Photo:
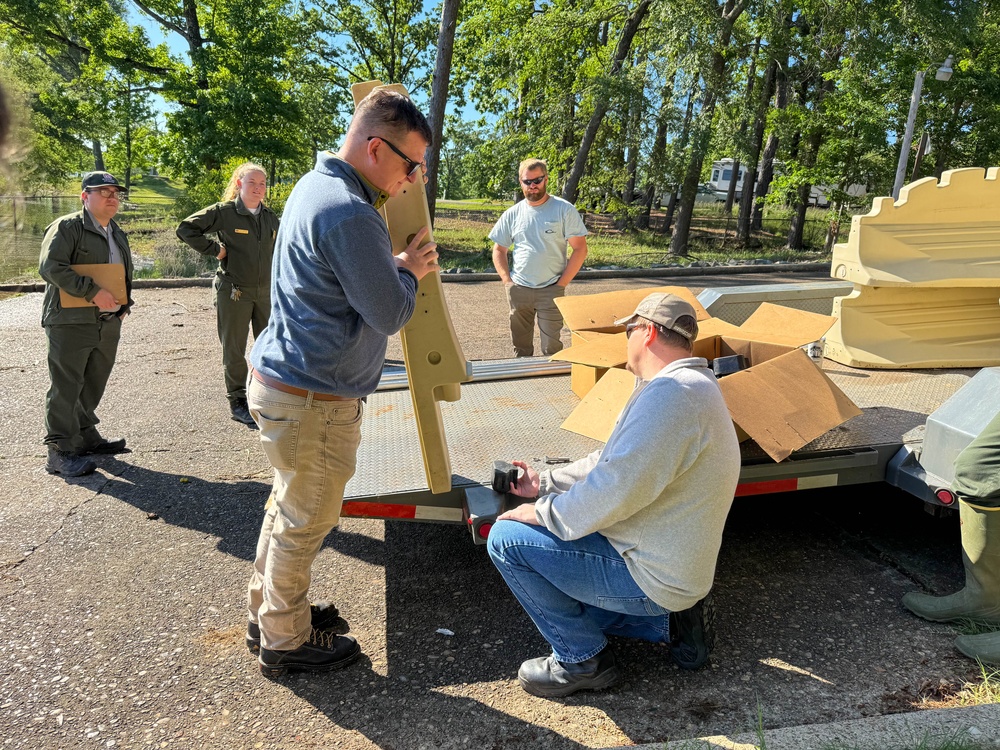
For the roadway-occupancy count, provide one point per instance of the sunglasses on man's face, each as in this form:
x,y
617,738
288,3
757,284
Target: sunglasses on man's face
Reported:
x,y
534,180
633,327
414,165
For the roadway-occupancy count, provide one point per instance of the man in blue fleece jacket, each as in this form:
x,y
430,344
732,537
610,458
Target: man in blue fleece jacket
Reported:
x,y
337,294
624,542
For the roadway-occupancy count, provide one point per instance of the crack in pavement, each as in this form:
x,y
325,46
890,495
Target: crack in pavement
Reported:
x,y
12,566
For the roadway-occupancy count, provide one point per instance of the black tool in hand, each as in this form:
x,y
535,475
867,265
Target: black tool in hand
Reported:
x,y
504,476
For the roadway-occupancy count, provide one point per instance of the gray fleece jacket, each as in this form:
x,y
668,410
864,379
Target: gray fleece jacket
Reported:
x,y
660,489
336,291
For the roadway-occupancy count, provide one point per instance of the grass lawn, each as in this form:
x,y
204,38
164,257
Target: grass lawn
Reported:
x,y
464,243
463,237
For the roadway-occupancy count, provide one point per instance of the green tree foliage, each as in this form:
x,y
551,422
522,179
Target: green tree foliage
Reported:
x,y
388,40
630,101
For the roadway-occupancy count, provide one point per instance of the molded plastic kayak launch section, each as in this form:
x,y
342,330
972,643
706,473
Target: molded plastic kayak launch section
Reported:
x,y
926,271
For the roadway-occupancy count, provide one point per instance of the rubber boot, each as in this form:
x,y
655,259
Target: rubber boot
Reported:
x,y
985,647
980,599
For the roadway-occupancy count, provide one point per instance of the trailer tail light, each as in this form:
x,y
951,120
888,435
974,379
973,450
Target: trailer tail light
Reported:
x,y
945,496
484,530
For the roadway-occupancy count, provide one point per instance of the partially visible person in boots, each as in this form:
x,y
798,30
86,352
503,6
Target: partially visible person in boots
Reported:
x,y
977,486
625,541
245,231
338,295
82,341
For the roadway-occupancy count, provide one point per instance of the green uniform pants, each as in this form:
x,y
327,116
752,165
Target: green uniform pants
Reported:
x,y
977,469
81,357
234,319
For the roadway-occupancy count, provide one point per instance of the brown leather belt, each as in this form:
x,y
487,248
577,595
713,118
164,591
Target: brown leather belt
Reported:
x,y
285,388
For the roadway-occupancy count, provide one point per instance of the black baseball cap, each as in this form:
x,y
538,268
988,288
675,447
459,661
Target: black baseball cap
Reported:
x,y
100,179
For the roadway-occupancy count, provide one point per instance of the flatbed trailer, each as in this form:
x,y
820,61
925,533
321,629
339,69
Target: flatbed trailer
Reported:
x,y
520,417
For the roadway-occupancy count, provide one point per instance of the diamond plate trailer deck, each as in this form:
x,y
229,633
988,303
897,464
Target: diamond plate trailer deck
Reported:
x,y
520,418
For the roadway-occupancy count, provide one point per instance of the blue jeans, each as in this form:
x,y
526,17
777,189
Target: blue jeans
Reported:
x,y
576,592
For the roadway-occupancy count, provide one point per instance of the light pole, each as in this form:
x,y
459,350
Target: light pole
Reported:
x,y
944,72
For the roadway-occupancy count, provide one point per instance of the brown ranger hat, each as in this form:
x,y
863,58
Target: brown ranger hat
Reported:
x,y
99,180
664,310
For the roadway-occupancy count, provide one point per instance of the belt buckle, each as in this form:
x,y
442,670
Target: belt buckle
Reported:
x,y
105,316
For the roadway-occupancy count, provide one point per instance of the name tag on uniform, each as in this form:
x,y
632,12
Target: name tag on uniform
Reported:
x,y
242,231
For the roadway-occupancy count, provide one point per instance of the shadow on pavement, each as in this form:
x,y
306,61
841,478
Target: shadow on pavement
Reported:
x,y
231,511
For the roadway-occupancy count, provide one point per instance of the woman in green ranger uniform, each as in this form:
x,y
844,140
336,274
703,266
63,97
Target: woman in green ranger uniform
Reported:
x,y
245,230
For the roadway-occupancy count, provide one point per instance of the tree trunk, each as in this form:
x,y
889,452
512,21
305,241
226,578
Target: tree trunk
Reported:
x,y
642,218
657,154
703,129
798,224
751,82
683,142
439,95
98,155
128,154
753,162
668,215
572,186
632,163
767,161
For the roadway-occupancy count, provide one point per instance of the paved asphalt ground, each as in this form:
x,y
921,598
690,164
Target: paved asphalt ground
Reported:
x,y
121,596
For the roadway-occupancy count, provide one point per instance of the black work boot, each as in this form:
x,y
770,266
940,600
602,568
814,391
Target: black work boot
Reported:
x,y
322,652
324,617
692,634
67,464
96,443
241,412
551,678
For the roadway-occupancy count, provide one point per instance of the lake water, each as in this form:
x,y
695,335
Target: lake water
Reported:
x,y
22,226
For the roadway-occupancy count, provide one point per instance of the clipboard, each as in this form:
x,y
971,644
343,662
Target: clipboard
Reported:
x,y
110,276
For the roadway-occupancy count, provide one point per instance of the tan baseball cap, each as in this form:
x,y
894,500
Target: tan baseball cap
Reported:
x,y
664,310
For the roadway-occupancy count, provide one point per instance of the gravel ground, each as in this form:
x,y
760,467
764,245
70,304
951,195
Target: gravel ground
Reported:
x,y
121,596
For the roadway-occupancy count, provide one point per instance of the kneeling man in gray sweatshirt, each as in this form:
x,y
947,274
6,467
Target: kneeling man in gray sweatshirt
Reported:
x,y
625,541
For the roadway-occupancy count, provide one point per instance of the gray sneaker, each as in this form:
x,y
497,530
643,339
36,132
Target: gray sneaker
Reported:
x,y
549,678
68,464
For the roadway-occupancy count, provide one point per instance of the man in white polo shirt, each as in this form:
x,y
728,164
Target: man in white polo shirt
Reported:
x,y
536,232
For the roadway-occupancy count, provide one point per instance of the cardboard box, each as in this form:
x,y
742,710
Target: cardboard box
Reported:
x,y
591,320
583,377
598,312
802,402
770,331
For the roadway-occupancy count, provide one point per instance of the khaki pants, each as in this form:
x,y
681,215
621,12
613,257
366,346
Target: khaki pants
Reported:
x,y
312,446
525,303
234,319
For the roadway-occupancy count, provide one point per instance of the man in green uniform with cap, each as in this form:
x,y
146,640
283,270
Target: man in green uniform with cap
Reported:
x,y
977,485
246,230
82,341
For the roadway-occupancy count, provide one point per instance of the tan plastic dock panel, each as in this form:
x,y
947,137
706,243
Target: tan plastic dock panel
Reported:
x,y
943,234
904,327
435,364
